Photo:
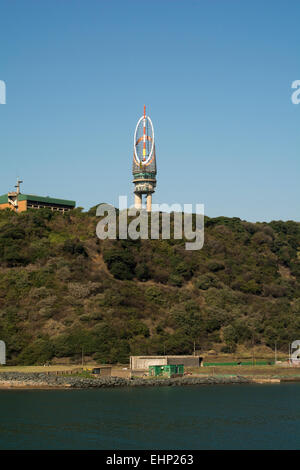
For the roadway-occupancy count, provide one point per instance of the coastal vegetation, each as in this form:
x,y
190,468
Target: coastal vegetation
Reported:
x,y
65,293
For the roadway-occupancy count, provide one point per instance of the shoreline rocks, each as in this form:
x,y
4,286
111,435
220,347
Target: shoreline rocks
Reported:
x,y
41,380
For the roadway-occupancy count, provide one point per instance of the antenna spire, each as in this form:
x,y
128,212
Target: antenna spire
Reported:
x,y
144,135
144,162
18,185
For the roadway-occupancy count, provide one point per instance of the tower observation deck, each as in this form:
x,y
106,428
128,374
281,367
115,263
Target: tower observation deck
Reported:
x,y
144,162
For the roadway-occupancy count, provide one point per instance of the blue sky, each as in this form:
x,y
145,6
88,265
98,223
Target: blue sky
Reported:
x,y
215,76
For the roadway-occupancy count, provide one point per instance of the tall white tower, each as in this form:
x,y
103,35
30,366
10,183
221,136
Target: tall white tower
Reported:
x,y
144,162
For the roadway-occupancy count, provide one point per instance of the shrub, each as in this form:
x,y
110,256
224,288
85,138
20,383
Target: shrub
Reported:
x,y
261,237
251,287
74,247
38,352
275,290
142,272
175,280
206,281
215,266
120,263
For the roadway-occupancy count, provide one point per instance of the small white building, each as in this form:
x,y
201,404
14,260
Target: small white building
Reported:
x,y
143,362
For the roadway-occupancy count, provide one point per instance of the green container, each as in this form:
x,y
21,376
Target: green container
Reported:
x,y
168,370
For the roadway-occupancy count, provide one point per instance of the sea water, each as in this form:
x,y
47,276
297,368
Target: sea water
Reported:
x,y
186,417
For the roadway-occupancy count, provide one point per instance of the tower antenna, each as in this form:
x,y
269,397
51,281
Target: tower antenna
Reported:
x,y
144,162
18,185
144,135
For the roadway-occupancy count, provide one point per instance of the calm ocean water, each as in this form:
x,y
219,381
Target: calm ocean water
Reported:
x,y
193,417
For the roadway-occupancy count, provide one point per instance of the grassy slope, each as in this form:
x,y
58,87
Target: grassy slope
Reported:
x,y
62,290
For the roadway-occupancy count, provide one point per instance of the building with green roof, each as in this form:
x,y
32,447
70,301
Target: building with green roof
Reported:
x,y
19,202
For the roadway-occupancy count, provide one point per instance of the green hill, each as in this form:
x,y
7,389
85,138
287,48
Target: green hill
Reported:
x,y
63,291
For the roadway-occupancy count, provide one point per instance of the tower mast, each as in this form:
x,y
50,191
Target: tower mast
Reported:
x,y
144,136
144,162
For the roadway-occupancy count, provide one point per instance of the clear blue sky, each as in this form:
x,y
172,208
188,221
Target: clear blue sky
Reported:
x,y
216,78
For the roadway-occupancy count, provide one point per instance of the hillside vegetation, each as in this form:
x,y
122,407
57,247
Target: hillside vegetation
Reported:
x,y
64,292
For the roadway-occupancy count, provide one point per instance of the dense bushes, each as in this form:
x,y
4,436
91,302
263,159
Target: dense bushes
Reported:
x,y
64,292
120,263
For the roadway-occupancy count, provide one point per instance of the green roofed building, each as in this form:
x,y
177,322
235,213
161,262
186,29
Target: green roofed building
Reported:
x,y
19,202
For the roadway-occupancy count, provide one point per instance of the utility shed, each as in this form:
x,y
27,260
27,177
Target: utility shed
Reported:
x,y
104,371
170,370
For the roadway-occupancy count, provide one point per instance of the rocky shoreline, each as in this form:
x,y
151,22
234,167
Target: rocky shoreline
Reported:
x,y
45,381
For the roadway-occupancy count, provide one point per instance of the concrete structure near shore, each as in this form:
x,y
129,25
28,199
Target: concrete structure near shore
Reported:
x,y
142,363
